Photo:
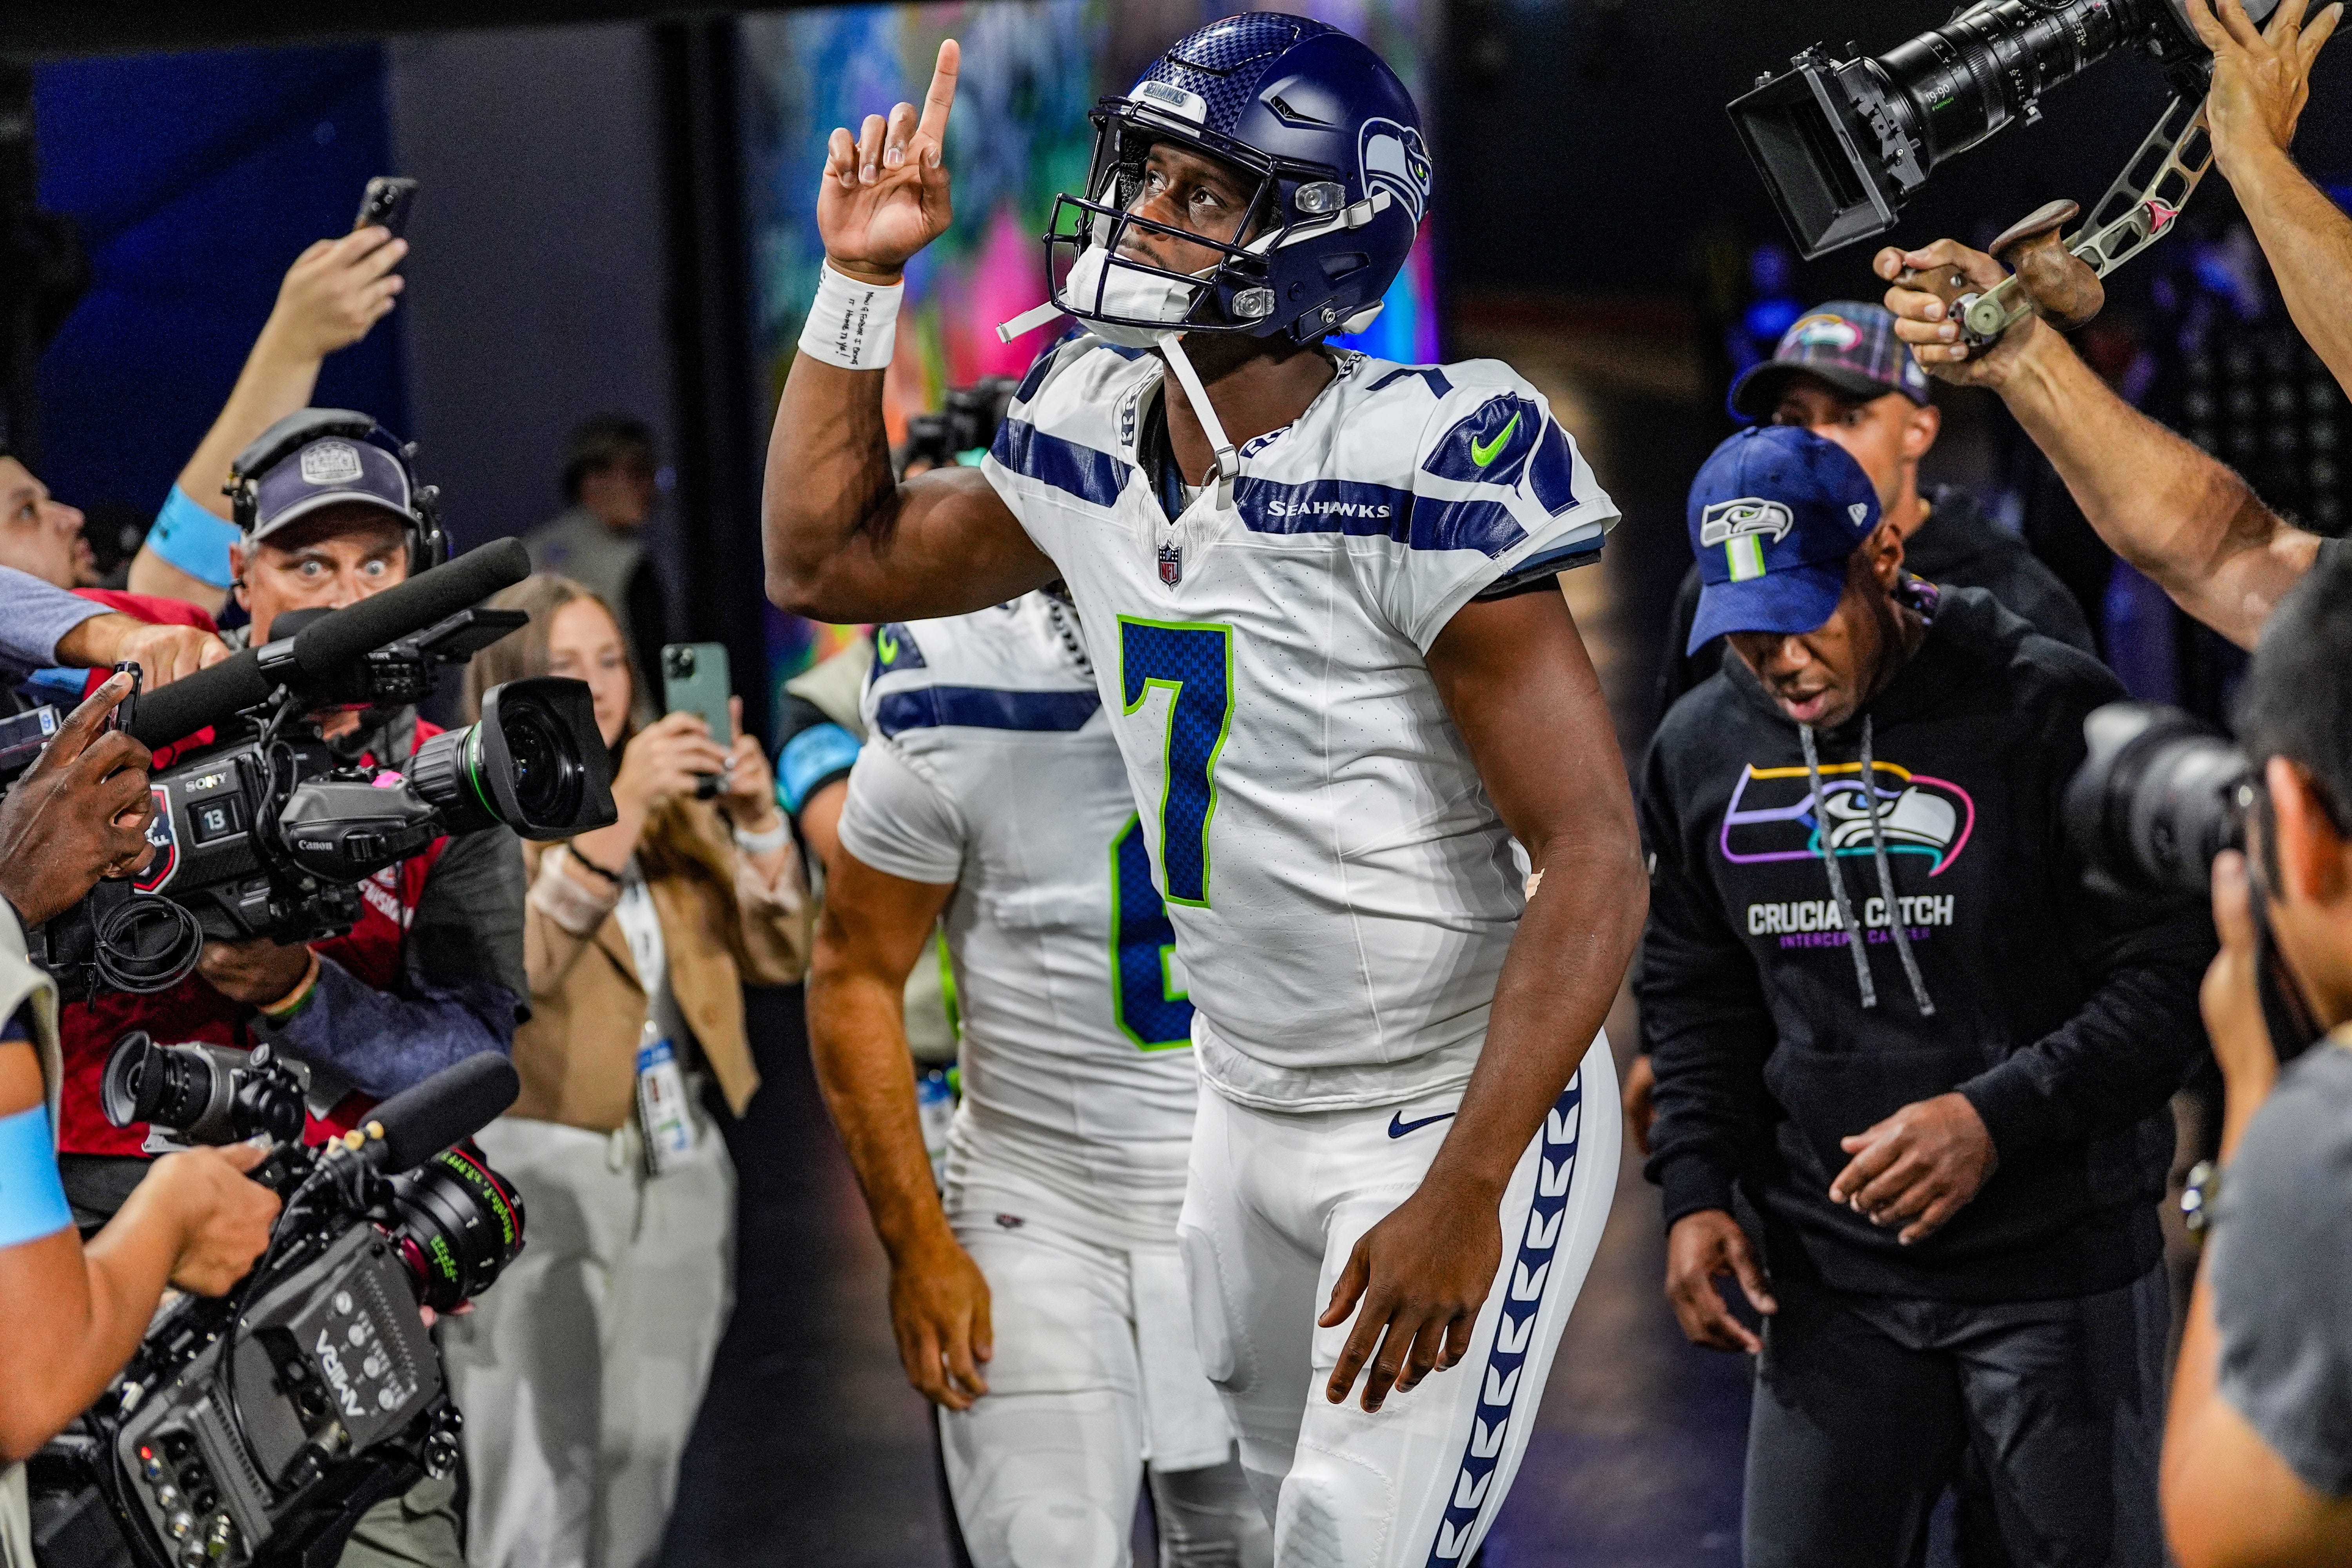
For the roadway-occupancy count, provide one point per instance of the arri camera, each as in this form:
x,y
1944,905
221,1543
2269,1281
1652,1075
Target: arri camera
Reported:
x,y
255,1428
1842,144
270,833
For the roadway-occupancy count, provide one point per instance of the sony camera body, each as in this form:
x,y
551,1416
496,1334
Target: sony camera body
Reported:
x,y
270,833
256,1427
1843,144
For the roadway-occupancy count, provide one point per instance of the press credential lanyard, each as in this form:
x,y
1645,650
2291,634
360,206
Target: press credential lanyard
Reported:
x,y
664,1116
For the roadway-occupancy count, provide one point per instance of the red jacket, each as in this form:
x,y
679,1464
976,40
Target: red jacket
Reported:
x,y
192,1010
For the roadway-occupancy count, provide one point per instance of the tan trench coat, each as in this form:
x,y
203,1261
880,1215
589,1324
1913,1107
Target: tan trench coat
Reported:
x,y
577,1055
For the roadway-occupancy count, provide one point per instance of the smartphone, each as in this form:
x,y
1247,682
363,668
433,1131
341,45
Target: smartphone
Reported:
x,y
386,204
695,680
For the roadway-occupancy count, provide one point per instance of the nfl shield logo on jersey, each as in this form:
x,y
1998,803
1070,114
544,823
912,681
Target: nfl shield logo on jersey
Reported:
x,y
1172,564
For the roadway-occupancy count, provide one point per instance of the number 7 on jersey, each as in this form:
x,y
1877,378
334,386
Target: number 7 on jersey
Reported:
x,y
1193,663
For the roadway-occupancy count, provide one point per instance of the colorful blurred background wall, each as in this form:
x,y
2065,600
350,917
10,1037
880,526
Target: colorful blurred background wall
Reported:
x,y
1019,137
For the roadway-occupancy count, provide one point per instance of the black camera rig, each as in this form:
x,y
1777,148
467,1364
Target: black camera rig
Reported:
x,y
252,1430
270,832
1842,144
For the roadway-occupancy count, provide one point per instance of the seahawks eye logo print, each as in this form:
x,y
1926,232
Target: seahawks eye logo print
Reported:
x,y
1394,156
1729,519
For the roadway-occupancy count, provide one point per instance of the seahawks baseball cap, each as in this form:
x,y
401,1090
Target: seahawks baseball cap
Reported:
x,y
1774,516
329,471
1850,345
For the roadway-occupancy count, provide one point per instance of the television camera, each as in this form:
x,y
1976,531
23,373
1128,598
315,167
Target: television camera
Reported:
x,y
269,832
1842,144
252,1430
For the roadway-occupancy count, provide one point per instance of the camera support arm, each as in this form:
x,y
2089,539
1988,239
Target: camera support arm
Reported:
x,y
2060,282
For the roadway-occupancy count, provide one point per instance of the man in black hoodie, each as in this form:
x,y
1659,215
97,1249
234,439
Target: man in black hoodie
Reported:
x,y
1888,1015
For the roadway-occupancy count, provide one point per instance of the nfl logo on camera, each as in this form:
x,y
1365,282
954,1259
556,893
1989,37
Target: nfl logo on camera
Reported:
x,y
1172,564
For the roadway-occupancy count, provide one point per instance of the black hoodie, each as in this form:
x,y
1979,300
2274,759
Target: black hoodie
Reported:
x,y
2066,1020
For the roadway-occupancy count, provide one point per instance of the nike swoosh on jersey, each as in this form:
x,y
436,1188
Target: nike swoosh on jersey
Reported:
x,y
1399,1126
886,646
1484,452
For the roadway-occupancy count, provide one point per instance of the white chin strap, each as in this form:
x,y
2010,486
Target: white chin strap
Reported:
x,y
1229,463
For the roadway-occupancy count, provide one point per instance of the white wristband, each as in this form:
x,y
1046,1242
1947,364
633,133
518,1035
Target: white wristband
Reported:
x,y
766,843
853,325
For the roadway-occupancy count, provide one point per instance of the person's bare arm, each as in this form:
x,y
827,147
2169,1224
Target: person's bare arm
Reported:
x,y
2178,513
76,1313
1515,678
333,293
2230,1499
2262,80
845,542
873,929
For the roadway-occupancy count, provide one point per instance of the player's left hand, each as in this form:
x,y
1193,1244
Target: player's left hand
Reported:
x,y
1921,1165
257,970
1422,1275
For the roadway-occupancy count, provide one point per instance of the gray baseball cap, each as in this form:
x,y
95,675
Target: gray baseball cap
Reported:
x,y
327,472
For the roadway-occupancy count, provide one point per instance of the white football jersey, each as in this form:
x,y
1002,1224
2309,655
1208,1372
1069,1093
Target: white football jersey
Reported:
x,y
989,764
1342,891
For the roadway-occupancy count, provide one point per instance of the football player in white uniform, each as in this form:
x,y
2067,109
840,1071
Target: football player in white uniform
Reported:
x,y
1043,1308
1318,591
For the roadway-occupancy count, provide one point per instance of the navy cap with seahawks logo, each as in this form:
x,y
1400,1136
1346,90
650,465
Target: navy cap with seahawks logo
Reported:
x,y
326,472
1774,516
1850,345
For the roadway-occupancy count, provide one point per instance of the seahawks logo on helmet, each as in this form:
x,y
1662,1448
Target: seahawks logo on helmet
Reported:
x,y
1729,519
1394,156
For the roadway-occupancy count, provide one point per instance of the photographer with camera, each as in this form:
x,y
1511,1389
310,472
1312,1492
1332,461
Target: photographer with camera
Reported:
x,y
76,1312
2258,1449
432,971
1884,1010
2177,514
640,937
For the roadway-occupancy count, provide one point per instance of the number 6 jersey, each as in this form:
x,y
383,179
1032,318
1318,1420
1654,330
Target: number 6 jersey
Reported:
x,y
1342,890
991,766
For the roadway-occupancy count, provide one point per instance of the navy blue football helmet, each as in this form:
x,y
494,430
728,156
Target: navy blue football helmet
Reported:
x,y
1332,138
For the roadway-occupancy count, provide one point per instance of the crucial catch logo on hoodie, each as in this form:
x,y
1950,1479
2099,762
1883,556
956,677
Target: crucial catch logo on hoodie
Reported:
x,y
1773,815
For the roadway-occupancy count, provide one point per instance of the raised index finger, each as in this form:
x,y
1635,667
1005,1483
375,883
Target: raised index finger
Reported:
x,y
940,98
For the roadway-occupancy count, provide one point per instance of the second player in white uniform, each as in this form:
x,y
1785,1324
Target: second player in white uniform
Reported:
x,y
989,773
1336,664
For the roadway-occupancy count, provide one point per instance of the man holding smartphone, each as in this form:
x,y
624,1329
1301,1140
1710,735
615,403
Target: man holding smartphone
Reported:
x,y
333,295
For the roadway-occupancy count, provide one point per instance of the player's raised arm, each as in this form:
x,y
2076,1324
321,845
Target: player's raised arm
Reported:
x,y
845,542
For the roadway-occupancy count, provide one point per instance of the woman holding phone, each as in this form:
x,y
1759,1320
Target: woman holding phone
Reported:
x,y
581,1374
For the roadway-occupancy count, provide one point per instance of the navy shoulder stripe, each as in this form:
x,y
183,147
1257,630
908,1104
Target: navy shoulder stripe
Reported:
x,y
983,708
1551,473
1438,385
1089,475
1360,511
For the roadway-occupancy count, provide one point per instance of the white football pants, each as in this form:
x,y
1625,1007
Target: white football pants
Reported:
x,y
1094,1375
1277,1202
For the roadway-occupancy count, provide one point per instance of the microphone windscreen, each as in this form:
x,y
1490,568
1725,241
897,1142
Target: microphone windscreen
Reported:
x,y
452,1105
326,645
193,702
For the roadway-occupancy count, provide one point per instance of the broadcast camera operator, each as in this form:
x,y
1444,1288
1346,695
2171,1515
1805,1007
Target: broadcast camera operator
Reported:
x,y
2176,513
432,970
76,1312
2258,1450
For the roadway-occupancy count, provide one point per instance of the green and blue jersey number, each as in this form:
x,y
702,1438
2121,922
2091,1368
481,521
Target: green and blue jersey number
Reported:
x,y
1144,997
1193,662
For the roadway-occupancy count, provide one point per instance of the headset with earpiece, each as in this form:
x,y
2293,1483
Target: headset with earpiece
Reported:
x,y
428,543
